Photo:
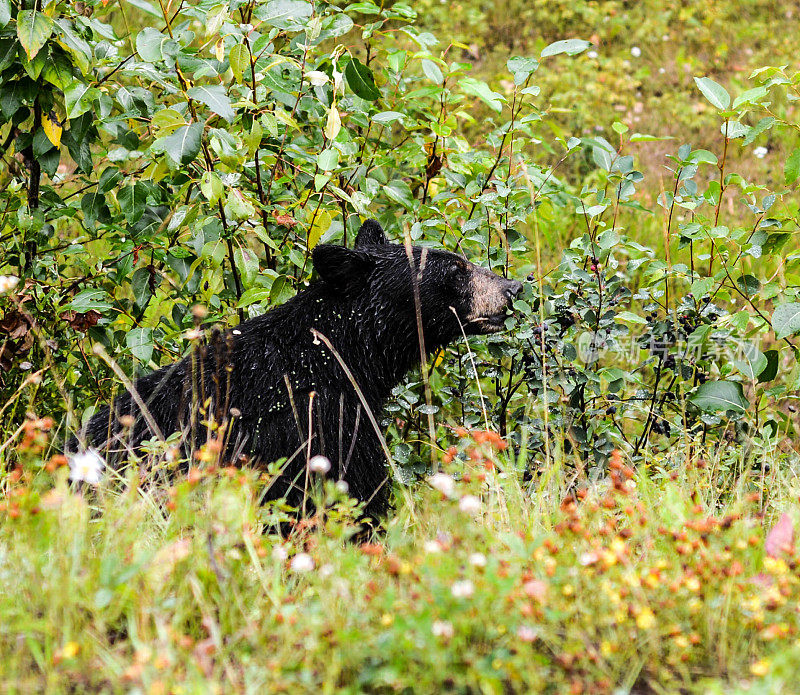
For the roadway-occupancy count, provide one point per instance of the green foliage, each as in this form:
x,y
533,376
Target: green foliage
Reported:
x,y
159,158
201,161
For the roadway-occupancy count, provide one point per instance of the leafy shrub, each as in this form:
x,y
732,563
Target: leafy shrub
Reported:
x,y
200,162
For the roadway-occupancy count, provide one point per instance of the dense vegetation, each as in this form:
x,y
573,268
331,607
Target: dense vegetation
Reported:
x,y
612,463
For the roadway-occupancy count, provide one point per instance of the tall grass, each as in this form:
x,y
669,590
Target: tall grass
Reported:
x,y
663,579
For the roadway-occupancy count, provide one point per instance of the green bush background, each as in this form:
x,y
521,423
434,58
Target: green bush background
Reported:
x,y
635,162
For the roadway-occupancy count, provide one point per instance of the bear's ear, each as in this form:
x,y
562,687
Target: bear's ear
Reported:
x,y
342,269
371,234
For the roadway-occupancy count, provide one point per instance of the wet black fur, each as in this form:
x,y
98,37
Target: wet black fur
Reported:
x,y
364,304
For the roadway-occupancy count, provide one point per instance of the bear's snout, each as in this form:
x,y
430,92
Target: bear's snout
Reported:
x,y
491,297
513,288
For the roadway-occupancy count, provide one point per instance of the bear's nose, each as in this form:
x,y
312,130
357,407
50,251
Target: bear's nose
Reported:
x,y
513,288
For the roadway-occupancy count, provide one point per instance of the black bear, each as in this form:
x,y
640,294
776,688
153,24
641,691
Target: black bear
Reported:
x,y
280,389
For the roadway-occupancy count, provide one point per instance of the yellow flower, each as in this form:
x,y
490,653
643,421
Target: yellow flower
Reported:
x,y
608,558
681,641
568,590
774,565
387,619
645,620
760,667
70,650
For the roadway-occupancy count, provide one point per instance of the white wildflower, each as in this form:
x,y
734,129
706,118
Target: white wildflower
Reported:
x,y
319,464
526,633
462,589
279,553
588,559
86,466
442,628
326,570
759,152
443,483
636,51
8,283
302,562
316,78
469,504
592,54
432,547
342,486
477,560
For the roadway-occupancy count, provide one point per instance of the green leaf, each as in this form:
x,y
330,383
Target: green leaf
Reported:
x,y
791,169
211,186
322,223
132,200
58,71
360,80
5,12
284,14
753,362
89,300
215,98
770,371
702,156
762,126
328,159
734,129
93,205
184,144
481,90
146,7
247,264
253,295
150,45
239,59
335,25
569,46
34,67
715,396
630,317
750,96
8,51
280,291
141,286
74,44
786,319
432,71
33,30
644,137
386,117
400,192
78,99
715,93
748,285
140,343
237,206
521,68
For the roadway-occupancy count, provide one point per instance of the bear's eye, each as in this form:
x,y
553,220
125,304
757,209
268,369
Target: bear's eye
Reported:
x,y
456,270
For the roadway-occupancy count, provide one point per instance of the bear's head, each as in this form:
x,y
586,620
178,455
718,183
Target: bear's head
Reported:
x,y
452,293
